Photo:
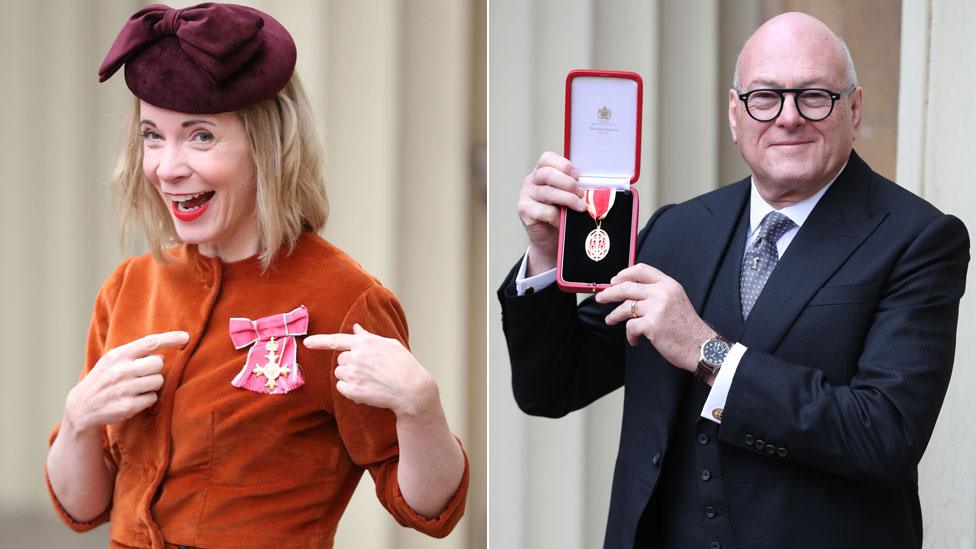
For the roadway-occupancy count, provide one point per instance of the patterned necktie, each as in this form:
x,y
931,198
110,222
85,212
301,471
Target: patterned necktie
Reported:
x,y
761,258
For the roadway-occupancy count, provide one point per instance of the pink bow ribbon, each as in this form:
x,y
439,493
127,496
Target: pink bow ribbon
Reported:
x,y
270,366
218,38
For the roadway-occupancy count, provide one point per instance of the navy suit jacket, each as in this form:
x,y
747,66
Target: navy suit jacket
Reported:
x,y
850,350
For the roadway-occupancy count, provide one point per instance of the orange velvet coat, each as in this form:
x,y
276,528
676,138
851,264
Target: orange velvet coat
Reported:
x,y
213,465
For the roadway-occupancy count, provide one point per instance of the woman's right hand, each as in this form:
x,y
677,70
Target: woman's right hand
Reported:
x,y
553,183
121,384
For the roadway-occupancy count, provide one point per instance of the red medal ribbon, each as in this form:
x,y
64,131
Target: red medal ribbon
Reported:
x,y
599,202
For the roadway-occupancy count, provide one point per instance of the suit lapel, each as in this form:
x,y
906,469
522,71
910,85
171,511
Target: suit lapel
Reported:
x,y
708,231
836,227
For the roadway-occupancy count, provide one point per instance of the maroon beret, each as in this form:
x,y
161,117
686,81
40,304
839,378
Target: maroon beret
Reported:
x,y
204,59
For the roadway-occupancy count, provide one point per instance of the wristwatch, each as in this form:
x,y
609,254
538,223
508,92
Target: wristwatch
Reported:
x,y
711,357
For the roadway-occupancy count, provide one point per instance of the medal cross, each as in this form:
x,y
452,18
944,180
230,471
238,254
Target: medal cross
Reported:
x,y
271,371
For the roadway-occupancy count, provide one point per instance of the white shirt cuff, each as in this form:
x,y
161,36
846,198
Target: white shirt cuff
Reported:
x,y
715,403
534,283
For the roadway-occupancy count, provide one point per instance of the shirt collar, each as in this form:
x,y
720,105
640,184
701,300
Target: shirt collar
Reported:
x,y
798,213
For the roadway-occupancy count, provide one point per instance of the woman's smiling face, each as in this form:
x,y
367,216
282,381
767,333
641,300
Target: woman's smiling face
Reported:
x,y
201,164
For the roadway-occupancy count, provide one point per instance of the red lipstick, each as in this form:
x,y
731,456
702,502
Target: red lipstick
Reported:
x,y
188,216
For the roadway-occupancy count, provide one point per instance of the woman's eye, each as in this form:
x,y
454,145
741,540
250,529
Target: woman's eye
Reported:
x,y
202,136
149,134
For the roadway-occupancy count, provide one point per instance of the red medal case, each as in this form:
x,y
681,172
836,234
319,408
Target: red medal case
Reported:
x,y
602,138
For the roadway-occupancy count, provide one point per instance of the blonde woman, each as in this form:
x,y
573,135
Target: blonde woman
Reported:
x,y
204,416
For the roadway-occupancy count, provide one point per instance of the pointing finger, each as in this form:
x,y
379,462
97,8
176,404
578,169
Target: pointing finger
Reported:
x,y
151,343
330,342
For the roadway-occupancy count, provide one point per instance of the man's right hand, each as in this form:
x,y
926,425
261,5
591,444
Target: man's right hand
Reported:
x,y
121,384
553,183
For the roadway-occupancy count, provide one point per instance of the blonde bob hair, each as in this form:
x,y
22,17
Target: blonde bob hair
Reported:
x,y
291,195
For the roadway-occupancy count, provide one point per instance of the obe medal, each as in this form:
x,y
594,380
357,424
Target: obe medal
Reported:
x,y
598,204
278,372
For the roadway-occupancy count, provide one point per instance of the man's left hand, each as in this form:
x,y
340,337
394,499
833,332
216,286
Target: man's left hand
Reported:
x,y
655,306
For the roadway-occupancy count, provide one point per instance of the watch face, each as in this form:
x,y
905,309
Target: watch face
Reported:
x,y
714,352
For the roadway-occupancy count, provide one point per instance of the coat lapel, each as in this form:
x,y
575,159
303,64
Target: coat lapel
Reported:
x,y
837,226
709,230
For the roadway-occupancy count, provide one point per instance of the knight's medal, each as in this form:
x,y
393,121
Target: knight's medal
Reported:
x,y
598,204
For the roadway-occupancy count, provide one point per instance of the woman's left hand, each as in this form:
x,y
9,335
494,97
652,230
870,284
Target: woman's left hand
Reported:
x,y
379,371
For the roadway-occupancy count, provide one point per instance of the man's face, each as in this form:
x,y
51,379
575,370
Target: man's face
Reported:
x,y
792,157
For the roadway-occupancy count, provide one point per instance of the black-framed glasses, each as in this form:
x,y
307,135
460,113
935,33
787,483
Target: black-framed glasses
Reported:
x,y
766,104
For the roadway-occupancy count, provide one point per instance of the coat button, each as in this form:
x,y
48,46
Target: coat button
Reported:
x,y
760,444
656,459
702,439
782,452
770,449
750,440
710,512
706,474
714,545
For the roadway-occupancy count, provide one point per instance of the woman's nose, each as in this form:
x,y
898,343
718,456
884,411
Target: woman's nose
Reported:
x,y
172,164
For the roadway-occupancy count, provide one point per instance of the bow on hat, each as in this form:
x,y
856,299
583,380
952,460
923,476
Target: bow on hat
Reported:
x,y
271,365
219,39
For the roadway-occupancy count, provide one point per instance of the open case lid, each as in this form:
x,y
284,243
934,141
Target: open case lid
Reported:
x,y
603,126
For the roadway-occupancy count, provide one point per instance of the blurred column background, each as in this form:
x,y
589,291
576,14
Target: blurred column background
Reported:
x,y
399,92
550,479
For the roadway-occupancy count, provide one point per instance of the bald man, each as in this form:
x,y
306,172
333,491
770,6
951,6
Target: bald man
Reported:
x,y
784,343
